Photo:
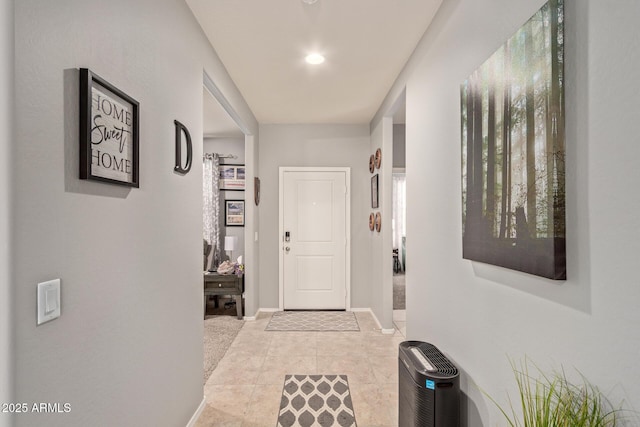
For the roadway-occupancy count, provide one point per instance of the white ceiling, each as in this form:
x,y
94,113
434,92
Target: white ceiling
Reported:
x,y
262,43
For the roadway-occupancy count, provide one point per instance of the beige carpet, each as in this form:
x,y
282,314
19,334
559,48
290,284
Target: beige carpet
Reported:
x,y
399,287
219,333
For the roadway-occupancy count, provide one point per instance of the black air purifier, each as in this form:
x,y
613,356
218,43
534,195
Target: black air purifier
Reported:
x,y
429,387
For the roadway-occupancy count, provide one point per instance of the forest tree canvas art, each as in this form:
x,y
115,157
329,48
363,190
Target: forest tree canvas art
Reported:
x,y
513,151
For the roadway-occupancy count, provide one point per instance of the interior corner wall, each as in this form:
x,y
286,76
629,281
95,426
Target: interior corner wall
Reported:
x,y
380,243
480,314
127,349
399,146
314,145
6,137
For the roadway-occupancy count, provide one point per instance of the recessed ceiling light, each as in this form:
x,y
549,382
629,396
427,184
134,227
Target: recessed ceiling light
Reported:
x,y
309,1
314,59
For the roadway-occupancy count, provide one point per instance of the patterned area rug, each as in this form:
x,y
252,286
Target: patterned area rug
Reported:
x,y
316,400
313,321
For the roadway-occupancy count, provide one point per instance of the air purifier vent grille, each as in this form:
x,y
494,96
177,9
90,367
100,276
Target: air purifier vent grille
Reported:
x,y
438,360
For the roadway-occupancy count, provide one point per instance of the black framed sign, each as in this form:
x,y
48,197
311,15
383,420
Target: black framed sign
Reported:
x,y
234,213
109,132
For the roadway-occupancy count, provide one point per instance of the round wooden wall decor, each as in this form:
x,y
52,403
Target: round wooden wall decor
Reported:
x,y
372,163
378,222
372,222
378,158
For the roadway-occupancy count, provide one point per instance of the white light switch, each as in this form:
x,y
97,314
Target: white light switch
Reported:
x,y
51,301
48,301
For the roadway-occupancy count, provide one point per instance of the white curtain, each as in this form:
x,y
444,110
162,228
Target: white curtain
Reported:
x,y
399,220
211,210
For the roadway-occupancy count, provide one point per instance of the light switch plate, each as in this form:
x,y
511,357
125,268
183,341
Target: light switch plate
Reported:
x,y
48,301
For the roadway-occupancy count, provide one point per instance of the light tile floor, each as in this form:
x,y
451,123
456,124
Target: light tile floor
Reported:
x,y
245,388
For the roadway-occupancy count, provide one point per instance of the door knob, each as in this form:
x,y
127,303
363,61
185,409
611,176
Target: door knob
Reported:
x,y
287,249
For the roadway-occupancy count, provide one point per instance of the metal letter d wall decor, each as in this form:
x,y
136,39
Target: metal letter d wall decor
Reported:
x,y
180,128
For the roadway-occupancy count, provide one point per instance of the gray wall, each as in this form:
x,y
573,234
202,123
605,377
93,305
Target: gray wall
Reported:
x,y
234,146
399,146
6,137
380,243
127,349
480,314
251,230
314,145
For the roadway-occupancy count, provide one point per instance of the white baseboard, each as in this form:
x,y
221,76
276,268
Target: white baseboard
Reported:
x,y
400,315
261,310
196,415
375,318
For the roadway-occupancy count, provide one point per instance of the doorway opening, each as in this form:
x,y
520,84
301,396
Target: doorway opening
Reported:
x,y
398,222
228,299
223,153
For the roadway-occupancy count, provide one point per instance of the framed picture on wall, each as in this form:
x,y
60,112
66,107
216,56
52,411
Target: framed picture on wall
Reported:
x,y
374,191
109,132
513,157
234,213
232,177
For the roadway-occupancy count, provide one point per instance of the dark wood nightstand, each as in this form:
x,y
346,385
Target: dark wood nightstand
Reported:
x,y
224,284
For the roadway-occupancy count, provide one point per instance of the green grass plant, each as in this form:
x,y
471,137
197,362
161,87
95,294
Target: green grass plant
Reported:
x,y
554,401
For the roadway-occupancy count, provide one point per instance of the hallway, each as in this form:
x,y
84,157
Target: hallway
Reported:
x,y
245,388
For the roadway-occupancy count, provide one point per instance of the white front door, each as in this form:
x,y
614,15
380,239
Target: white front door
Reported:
x,y
314,242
